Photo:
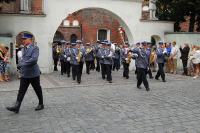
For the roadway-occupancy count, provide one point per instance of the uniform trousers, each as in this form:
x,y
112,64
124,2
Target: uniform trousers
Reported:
x,y
92,67
24,84
103,70
141,77
81,67
116,64
98,64
55,64
126,70
63,66
68,67
88,66
108,71
150,73
160,71
76,72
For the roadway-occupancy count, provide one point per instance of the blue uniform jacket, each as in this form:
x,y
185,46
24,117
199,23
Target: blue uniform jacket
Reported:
x,y
142,60
160,55
28,65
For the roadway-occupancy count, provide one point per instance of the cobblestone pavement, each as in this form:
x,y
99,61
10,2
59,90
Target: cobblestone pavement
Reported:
x,y
95,106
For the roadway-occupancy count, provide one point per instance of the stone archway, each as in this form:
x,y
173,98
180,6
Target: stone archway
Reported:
x,y
43,27
156,38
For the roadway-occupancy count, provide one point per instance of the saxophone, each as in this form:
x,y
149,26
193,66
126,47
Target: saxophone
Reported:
x,y
129,58
88,50
79,55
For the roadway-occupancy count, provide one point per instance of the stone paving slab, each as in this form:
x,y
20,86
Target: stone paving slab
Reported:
x,y
96,106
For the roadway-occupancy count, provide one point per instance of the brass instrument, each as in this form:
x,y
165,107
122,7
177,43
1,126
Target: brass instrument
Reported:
x,y
88,50
129,57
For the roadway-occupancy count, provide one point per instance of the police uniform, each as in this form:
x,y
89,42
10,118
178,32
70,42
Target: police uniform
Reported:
x,y
148,51
100,54
67,58
124,57
142,65
76,56
82,50
89,57
160,60
62,62
108,54
30,74
97,47
116,58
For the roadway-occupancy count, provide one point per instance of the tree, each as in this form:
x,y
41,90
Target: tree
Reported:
x,y
177,10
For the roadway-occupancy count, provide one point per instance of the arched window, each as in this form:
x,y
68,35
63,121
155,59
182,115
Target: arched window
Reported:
x,y
75,23
66,23
73,38
58,36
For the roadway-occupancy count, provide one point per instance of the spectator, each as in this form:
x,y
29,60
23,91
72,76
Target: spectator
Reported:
x,y
2,63
184,57
7,64
174,56
195,58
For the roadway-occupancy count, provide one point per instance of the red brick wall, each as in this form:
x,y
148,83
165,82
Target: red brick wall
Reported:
x,y
14,7
92,20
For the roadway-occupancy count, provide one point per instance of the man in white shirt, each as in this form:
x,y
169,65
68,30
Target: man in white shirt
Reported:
x,y
174,57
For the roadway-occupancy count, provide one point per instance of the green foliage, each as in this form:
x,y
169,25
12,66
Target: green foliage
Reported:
x,y
177,10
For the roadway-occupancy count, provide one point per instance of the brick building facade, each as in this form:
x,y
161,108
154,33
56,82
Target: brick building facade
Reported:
x,y
91,25
14,7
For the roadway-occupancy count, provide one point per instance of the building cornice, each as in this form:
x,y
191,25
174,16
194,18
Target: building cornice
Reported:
x,y
21,14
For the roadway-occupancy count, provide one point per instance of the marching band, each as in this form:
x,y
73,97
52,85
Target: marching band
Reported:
x,y
107,57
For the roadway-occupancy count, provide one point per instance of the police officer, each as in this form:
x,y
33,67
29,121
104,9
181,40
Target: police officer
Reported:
x,y
148,51
100,55
160,52
108,54
82,50
67,58
116,58
76,62
142,66
62,61
126,60
89,57
97,47
30,73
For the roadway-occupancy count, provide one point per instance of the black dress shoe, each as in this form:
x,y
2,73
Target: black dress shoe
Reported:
x,y
14,108
139,87
110,81
39,107
156,78
164,80
147,89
